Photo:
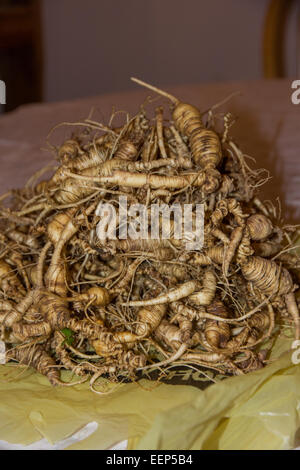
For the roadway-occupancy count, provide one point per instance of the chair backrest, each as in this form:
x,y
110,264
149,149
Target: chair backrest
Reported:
x,y
274,38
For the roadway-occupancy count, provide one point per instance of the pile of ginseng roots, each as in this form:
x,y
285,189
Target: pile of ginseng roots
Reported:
x,y
122,308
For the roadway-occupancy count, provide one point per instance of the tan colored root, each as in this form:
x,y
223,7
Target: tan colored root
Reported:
x,y
293,310
180,292
149,318
139,180
177,355
230,250
36,357
206,295
260,227
267,276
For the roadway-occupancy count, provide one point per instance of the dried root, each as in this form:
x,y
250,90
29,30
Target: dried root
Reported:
x,y
118,306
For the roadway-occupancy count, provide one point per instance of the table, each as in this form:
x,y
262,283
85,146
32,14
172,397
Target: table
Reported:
x,y
267,128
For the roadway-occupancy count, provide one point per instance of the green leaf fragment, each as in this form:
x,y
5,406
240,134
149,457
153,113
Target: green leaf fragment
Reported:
x,y
69,335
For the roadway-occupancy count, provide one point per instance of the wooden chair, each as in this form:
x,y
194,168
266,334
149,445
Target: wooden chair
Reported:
x,y
273,38
21,51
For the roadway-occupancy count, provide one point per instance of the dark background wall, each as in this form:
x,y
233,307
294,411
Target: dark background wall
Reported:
x,y
94,46
55,50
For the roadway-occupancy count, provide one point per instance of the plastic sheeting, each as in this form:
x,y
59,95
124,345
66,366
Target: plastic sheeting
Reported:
x,y
260,410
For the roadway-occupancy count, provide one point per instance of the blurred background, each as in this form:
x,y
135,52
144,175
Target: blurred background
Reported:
x,y
53,50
